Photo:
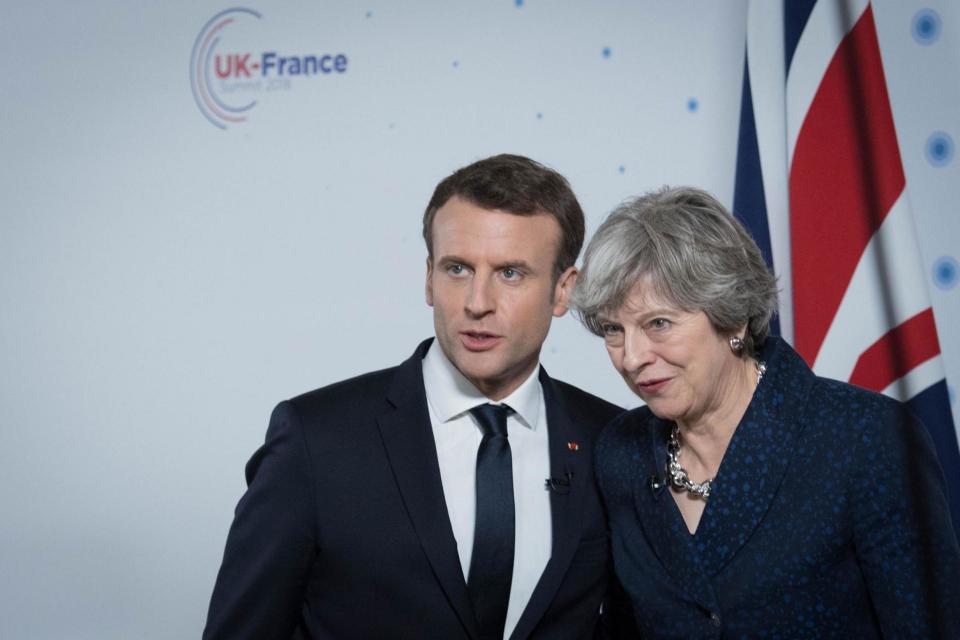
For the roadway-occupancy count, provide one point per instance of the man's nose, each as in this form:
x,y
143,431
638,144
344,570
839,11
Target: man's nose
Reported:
x,y
480,297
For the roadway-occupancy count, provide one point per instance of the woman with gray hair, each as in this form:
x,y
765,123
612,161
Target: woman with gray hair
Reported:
x,y
749,497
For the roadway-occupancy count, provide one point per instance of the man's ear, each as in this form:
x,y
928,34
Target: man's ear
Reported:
x,y
562,290
429,284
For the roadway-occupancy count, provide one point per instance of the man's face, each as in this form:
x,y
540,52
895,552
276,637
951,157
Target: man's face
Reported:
x,y
490,284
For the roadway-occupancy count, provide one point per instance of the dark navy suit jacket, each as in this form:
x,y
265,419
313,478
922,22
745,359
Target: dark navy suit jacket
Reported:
x,y
344,533
828,519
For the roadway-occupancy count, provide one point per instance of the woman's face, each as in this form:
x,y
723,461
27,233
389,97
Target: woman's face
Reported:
x,y
673,359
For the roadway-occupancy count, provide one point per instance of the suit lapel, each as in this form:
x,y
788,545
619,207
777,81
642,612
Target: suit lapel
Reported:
x,y
660,519
411,449
756,460
568,464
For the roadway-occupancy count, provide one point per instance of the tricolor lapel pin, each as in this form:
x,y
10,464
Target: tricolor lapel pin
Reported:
x,y
573,446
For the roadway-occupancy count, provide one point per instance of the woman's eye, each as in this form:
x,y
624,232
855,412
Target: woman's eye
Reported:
x,y
609,328
660,323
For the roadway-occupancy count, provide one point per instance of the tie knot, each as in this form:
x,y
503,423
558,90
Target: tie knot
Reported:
x,y
492,418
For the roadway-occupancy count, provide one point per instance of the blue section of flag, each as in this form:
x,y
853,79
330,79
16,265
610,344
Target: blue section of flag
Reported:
x,y
932,406
795,16
749,200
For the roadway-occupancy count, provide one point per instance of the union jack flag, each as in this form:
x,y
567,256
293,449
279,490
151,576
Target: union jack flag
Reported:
x,y
821,186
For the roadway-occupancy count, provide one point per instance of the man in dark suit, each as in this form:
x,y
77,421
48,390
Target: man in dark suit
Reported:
x,y
452,496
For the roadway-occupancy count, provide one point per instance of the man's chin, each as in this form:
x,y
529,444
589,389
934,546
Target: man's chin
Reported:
x,y
483,370
478,368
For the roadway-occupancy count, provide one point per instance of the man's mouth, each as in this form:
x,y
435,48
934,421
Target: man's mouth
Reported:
x,y
479,340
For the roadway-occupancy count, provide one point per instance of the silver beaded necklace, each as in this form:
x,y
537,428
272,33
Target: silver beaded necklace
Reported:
x,y
678,475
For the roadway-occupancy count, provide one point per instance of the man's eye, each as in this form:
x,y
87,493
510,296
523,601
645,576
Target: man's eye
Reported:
x,y
511,274
455,269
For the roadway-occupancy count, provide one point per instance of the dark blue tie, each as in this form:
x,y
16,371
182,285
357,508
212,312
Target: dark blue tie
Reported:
x,y
491,564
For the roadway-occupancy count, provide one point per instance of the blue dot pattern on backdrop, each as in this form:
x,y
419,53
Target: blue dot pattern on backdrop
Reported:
x,y
539,116
939,149
692,105
925,26
622,169
945,272
519,3
456,63
369,14
606,52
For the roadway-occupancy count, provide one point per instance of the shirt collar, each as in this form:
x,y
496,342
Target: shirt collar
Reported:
x,y
450,394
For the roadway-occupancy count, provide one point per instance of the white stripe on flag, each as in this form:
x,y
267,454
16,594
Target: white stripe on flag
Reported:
x,y
829,22
921,377
767,80
887,288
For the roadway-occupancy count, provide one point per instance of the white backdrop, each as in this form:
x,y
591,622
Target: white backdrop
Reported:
x,y
164,282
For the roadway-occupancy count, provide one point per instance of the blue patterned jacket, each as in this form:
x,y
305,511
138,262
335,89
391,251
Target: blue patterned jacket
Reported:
x,y
828,519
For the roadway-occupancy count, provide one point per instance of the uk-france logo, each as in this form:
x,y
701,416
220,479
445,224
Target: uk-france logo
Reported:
x,y
227,78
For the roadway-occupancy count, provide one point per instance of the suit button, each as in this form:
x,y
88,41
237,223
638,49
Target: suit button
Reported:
x,y
715,619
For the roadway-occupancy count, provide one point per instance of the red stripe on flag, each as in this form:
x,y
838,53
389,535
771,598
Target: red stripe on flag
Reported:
x,y
893,356
845,177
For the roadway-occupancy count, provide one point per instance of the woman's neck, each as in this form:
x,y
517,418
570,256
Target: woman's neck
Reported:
x,y
704,442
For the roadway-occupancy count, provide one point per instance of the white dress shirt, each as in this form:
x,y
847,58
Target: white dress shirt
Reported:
x,y
450,397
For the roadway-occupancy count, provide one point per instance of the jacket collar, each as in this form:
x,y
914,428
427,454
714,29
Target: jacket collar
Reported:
x,y
450,394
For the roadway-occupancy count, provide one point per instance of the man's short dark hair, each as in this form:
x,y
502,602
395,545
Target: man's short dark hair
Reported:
x,y
517,185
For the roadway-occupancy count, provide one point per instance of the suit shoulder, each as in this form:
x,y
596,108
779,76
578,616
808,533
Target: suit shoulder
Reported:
x,y
878,428
358,395
623,452
624,427
586,407
832,399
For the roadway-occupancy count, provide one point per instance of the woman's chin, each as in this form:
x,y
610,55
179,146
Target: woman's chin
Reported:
x,y
663,410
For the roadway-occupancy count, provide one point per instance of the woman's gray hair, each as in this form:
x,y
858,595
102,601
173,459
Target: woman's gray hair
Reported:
x,y
696,255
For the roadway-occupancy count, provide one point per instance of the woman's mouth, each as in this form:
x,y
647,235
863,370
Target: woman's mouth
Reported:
x,y
653,385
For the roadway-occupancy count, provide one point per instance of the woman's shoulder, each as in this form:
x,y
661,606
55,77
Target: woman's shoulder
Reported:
x,y
878,431
627,422
833,399
628,429
624,450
